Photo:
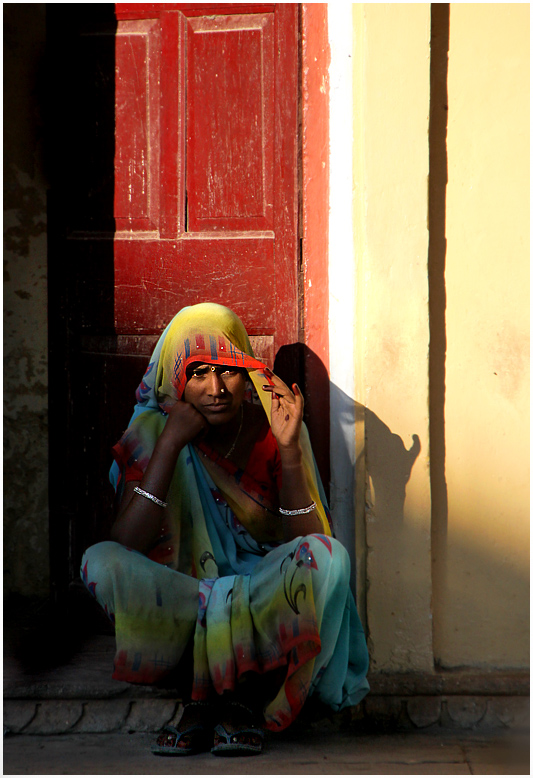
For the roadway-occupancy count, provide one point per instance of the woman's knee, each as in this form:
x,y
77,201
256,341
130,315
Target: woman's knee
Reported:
x,y
103,553
332,545
98,565
332,553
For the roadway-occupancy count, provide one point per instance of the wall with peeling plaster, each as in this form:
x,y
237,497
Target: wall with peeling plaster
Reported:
x,y
26,568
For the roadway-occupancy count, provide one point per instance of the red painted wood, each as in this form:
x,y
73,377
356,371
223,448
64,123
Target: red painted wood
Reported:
x,y
154,10
206,197
173,124
137,126
231,117
286,172
315,176
154,279
315,213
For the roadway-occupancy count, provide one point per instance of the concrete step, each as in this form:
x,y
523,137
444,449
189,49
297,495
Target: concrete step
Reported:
x,y
78,695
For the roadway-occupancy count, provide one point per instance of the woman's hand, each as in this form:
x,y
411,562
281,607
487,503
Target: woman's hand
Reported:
x,y
184,424
138,523
287,413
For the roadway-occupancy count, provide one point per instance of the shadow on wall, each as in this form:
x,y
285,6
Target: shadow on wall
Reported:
x,y
388,466
384,458
479,602
380,462
478,613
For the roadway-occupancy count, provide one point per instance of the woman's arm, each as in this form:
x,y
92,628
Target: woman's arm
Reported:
x,y
286,423
295,494
139,520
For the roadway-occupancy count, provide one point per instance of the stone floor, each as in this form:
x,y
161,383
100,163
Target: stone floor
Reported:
x,y
333,753
67,716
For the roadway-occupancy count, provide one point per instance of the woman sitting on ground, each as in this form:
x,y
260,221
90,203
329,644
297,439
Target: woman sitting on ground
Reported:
x,y
222,547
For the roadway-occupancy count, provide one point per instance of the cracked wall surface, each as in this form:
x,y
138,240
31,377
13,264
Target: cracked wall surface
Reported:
x,y
26,567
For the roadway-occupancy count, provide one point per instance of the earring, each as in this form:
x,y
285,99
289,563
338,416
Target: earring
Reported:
x,y
222,389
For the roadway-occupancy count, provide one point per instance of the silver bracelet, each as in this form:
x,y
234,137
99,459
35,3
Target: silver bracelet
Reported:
x,y
298,511
151,497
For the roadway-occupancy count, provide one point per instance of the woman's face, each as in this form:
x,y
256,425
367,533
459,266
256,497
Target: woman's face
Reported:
x,y
217,392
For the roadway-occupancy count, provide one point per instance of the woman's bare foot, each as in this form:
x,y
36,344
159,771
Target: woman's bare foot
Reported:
x,y
194,714
240,724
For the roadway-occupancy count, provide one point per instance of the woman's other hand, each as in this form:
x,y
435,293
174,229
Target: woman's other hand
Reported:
x,y
286,423
287,413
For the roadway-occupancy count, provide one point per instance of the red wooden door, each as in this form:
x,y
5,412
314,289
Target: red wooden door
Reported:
x,y
175,181
206,197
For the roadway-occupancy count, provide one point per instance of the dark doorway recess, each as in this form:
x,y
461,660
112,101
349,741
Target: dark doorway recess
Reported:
x,y
80,160
122,263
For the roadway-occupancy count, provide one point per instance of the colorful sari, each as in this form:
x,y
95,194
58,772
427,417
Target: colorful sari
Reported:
x,y
220,573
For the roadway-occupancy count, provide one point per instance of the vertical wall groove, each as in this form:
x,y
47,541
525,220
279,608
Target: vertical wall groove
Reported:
x,y
438,178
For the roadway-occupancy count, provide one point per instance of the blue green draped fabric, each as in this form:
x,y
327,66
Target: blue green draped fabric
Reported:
x,y
250,607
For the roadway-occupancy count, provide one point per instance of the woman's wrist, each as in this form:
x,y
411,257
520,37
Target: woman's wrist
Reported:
x,y
291,456
170,445
305,510
296,526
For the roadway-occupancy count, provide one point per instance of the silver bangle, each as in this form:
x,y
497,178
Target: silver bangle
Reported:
x,y
298,511
151,497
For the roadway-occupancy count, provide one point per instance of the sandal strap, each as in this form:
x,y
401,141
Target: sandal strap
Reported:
x,y
199,736
222,732
170,729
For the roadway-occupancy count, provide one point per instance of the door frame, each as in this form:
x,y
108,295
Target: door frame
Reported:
x,y
330,260
313,280
314,225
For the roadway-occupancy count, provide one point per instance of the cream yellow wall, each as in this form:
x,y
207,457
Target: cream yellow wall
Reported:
x,y
391,98
468,606
482,612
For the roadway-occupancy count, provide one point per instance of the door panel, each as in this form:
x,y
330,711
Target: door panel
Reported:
x,y
137,125
230,123
154,279
210,101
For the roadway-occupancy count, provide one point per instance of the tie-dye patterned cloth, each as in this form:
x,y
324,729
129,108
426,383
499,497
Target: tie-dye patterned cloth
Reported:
x,y
255,605
293,614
